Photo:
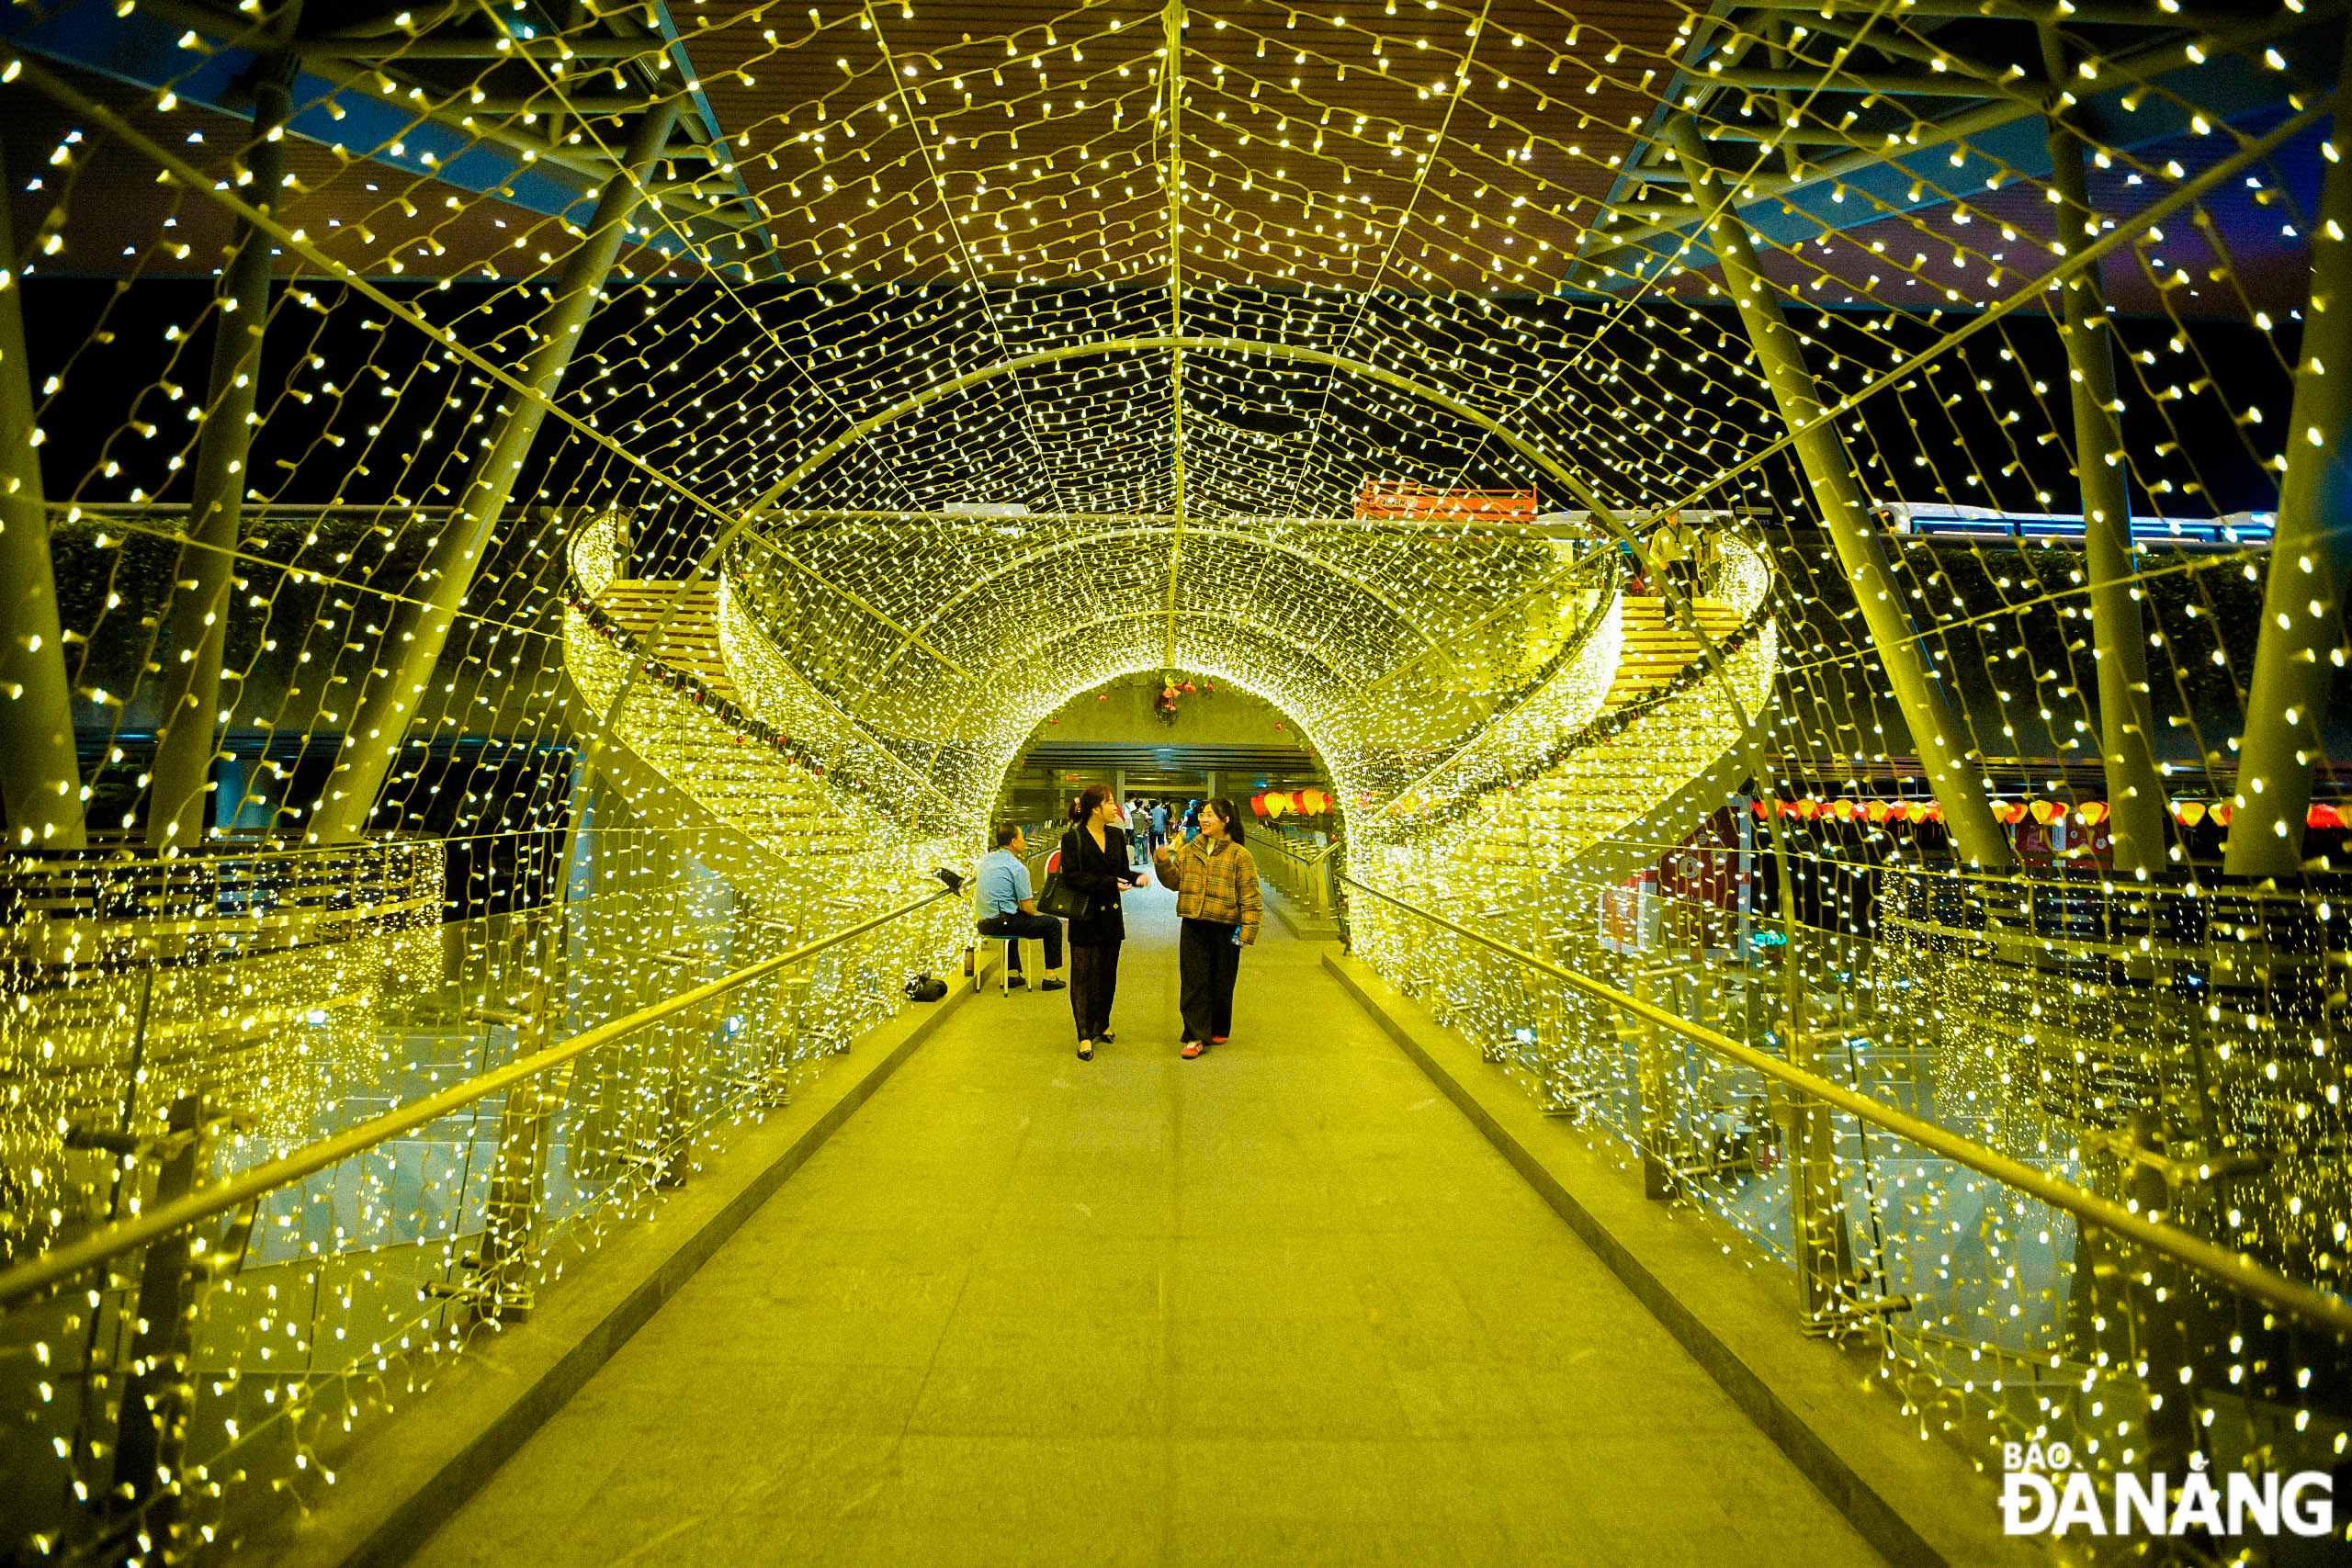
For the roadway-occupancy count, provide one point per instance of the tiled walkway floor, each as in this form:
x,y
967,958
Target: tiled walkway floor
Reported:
x,y
1279,1305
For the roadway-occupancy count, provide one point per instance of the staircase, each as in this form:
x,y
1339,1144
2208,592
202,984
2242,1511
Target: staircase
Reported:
x,y
691,643
1657,646
771,824
1634,773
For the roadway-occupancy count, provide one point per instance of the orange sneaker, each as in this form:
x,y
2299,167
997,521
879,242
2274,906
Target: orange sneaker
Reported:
x,y
1191,1049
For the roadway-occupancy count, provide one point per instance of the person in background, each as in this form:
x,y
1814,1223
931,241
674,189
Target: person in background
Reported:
x,y
1220,906
1007,905
1094,862
1191,826
1133,820
1673,553
1159,825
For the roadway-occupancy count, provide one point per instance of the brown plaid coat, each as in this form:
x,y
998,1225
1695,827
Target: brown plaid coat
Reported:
x,y
1215,881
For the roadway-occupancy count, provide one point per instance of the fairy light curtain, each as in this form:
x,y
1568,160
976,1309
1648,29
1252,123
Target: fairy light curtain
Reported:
x,y
1252,258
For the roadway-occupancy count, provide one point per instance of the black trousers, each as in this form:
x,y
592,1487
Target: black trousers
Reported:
x,y
1207,963
1093,984
1042,927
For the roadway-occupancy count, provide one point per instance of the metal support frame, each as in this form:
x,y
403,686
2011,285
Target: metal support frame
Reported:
x,y
2126,717
185,745
40,780
1829,473
2295,662
1998,140
379,727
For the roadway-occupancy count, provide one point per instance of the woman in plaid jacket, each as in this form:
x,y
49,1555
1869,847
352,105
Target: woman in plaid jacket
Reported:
x,y
1217,898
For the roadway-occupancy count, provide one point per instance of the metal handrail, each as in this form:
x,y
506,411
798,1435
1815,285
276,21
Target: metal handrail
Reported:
x,y
54,1267
2233,1269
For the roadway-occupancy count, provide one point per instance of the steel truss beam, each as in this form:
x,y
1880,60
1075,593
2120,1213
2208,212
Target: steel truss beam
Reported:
x,y
2131,104
341,101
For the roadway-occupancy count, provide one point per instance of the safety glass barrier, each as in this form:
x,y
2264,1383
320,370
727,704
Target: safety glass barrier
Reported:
x,y
2026,1281
227,1298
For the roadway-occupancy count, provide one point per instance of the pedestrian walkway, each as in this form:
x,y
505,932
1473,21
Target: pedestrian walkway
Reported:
x,y
1281,1304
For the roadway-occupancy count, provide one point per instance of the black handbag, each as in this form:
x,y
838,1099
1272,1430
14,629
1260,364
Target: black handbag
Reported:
x,y
1062,901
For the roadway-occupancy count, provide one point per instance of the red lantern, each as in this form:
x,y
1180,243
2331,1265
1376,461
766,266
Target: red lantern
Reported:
x,y
1875,811
2092,811
1257,804
2323,817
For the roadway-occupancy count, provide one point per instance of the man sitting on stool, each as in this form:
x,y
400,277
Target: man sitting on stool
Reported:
x,y
1008,906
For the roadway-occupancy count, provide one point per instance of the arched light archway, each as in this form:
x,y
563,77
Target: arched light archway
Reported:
x,y
1535,455
1431,644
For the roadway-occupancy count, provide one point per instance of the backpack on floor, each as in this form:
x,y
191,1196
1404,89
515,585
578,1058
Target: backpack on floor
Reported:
x,y
925,988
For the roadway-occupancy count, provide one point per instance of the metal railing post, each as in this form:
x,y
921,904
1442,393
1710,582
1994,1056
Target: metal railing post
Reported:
x,y
1828,471
2310,554
1819,1236
150,1431
177,809
503,1284
668,1154
2153,1290
41,779
379,726
2135,794
1655,1085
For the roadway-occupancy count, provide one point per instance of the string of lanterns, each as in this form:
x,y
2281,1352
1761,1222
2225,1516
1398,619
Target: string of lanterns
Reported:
x,y
2045,812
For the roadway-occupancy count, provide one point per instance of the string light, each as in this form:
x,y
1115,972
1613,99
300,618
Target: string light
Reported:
x,y
1354,347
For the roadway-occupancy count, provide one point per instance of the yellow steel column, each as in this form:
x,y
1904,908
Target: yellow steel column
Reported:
x,y
40,781
2296,662
2135,794
420,631
1829,472
178,802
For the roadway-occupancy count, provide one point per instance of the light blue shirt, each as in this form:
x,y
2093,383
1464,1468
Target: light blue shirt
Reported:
x,y
1159,820
1003,883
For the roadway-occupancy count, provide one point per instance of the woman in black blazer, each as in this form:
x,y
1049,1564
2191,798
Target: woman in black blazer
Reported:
x,y
1094,861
